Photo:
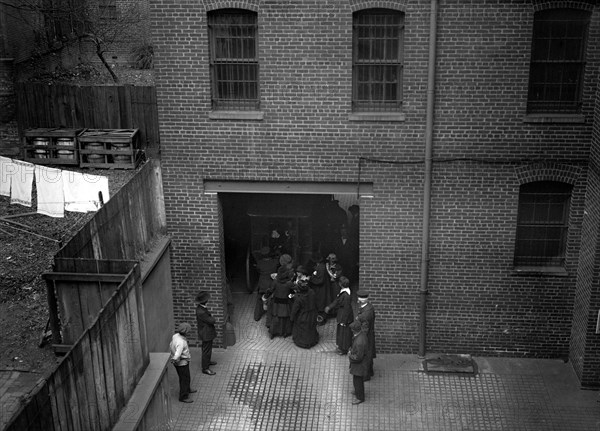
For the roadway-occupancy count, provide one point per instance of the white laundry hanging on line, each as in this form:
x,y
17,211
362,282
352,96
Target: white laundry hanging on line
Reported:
x,y
6,171
21,183
50,194
82,191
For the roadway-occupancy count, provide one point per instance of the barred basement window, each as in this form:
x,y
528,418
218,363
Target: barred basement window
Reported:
x,y
377,60
233,35
542,224
557,61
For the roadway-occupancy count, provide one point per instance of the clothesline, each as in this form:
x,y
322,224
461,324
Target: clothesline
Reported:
x,y
57,190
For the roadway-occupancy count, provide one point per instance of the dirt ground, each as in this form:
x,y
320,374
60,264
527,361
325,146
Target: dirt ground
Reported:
x,y
26,251
29,243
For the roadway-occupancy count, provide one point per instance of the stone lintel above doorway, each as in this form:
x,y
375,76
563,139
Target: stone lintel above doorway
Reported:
x,y
363,190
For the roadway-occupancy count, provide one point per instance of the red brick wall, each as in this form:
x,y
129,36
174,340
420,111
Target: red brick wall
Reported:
x,y
476,303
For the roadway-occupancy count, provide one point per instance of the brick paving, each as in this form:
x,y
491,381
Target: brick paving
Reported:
x,y
14,387
264,384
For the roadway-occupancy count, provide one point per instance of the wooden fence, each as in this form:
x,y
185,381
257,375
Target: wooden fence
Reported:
x,y
124,227
92,107
96,378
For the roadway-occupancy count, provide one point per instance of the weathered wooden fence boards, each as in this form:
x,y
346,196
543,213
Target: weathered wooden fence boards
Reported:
x,y
124,226
97,376
92,107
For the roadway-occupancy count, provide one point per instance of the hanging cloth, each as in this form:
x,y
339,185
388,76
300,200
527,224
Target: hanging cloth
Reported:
x,y
50,195
6,171
84,192
21,183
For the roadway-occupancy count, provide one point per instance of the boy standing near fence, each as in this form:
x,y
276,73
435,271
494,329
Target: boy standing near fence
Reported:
x,y
180,358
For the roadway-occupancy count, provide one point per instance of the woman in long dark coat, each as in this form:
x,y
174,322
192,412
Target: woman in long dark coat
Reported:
x,y
345,316
281,303
304,316
266,266
319,283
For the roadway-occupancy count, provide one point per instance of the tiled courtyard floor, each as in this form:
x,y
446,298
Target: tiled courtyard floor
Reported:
x,y
264,384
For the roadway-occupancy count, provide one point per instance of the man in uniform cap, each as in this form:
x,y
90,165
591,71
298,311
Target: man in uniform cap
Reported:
x,y
206,331
366,313
180,358
358,357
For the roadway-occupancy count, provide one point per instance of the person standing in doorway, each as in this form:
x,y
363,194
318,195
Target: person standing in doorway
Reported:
x,y
206,331
304,316
266,266
180,358
343,305
281,305
358,357
365,312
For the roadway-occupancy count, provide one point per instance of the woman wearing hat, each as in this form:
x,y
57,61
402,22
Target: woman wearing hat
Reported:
x,y
304,316
345,316
265,266
281,302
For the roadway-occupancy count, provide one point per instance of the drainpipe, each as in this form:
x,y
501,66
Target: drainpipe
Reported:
x,y
427,185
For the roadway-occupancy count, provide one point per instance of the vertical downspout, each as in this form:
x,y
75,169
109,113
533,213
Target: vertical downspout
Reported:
x,y
427,184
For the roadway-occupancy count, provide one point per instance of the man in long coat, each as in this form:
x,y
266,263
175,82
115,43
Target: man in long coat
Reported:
x,y
266,266
343,305
358,356
206,331
365,312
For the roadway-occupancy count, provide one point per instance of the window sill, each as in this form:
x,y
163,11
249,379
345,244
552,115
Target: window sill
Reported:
x,y
236,115
554,271
554,118
377,116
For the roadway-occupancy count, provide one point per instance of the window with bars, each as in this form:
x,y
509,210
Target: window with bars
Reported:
x,y
233,35
557,61
377,60
542,224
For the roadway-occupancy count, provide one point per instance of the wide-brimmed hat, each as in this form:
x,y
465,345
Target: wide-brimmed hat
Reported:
x,y
184,328
202,297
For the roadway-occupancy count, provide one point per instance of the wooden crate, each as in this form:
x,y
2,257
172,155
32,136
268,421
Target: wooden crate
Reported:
x,y
56,146
109,148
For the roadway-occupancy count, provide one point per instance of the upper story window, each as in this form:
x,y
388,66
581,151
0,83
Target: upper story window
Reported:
x,y
377,60
542,224
557,61
233,35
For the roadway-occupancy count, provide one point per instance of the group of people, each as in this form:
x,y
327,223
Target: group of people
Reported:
x,y
295,301
180,353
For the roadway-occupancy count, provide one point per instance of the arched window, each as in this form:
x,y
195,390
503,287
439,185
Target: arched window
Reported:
x,y
233,36
557,61
542,224
377,60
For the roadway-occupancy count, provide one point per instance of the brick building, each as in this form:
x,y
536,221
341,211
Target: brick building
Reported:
x,y
477,179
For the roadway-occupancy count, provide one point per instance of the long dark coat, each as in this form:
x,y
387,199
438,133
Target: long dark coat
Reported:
x,y
367,313
281,305
206,324
319,282
344,317
358,356
265,268
304,319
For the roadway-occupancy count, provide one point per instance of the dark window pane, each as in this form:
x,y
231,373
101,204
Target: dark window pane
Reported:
x,y
542,223
557,60
377,60
234,62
